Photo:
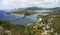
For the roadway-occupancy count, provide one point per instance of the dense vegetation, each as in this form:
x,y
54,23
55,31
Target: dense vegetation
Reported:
x,y
56,25
30,29
15,29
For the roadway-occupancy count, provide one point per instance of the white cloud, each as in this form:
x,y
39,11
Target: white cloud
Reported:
x,y
9,4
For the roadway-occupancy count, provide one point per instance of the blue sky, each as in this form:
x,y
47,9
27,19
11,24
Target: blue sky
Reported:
x,y
11,4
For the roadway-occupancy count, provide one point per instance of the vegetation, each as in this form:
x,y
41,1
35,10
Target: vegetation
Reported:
x,y
30,29
15,29
56,25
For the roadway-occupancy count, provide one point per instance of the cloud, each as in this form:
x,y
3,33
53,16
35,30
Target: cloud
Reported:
x,y
10,4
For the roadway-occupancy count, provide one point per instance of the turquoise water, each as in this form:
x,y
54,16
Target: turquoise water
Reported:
x,y
18,19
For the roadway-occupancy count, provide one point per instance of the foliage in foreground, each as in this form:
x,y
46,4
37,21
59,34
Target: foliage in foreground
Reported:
x,y
56,25
15,29
30,29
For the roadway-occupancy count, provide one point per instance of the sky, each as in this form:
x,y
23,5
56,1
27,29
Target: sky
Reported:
x,y
12,4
